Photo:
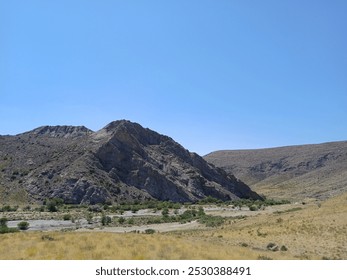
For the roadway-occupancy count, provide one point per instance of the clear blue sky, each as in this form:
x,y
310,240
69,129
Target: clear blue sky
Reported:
x,y
211,74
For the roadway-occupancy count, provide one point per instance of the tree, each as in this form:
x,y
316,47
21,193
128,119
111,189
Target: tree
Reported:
x,y
52,204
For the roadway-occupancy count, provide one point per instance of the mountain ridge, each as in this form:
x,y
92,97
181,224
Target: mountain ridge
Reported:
x,y
120,162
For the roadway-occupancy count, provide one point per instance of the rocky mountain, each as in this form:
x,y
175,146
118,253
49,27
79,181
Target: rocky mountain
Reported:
x,y
294,172
121,162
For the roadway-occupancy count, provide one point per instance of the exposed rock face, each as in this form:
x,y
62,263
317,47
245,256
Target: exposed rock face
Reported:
x,y
293,172
121,162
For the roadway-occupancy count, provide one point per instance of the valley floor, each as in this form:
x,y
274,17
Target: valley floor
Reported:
x,y
310,231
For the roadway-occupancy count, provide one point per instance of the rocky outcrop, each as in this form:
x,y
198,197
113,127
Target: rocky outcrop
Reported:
x,y
121,162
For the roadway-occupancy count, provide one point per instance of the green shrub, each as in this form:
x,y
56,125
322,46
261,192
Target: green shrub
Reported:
x,y
189,215
4,228
27,208
135,208
131,221
105,220
3,222
8,208
149,231
51,206
211,221
201,211
253,208
284,248
23,225
89,218
165,212
94,208
67,217
210,200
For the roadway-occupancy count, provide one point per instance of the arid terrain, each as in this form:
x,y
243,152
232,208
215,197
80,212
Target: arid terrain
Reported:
x,y
126,192
293,172
306,230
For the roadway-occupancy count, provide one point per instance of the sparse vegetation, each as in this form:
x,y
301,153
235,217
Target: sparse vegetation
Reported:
x,y
8,208
211,221
210,200
289,210
302,231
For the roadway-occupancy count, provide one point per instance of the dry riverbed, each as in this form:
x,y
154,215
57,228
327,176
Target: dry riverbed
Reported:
x,y
47,221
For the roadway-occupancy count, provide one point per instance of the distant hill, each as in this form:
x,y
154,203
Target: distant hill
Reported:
x,y
121,162
296,172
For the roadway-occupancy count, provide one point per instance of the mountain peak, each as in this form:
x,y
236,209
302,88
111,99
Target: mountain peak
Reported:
x,y
121,162
115,124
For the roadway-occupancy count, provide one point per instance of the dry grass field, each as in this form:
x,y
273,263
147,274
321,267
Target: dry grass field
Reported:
x,y
102,245
310,231
317,231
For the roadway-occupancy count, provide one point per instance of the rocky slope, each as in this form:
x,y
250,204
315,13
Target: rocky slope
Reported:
x,y
294,172
121,162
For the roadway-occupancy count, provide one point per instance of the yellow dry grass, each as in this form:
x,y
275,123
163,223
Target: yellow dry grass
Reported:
x,y
102,245
318,231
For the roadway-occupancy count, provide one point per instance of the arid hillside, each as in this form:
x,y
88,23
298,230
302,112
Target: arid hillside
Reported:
x,y
293,172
